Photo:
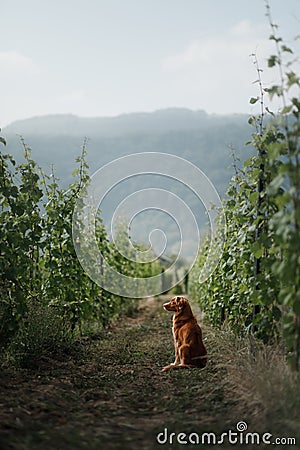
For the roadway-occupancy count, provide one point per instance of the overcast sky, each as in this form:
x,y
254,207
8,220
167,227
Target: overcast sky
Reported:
x,y
107,57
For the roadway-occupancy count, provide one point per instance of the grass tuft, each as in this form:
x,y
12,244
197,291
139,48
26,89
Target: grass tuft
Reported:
x,y
42,333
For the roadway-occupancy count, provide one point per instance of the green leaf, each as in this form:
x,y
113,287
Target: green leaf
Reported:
x,y
292,79
2,140
273,59
253,100
255,298
296,103
282,200
286,110
258,254
253,197
248,162
257,250
287,299
273,37
284,48
269,111
274,90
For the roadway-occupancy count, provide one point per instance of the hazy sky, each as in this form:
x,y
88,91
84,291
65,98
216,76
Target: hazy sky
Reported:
x,y
107,57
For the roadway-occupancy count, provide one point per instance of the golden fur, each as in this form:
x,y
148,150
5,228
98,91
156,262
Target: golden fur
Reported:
x,y
190,351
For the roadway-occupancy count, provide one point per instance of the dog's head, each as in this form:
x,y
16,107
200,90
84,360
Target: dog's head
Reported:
x,y
176,304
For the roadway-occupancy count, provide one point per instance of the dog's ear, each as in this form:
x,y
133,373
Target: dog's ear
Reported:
x,y
177,300
180,303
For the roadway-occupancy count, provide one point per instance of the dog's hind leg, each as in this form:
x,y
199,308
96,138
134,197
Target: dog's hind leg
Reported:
x,y
185,355
185,359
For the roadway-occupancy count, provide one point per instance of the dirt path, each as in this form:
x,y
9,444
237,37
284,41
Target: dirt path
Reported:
x,y
112,394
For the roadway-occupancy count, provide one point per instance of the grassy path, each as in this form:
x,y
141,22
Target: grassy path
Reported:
x,y
111,394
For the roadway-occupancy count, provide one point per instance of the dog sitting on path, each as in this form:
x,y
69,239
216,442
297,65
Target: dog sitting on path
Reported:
x,y
190,352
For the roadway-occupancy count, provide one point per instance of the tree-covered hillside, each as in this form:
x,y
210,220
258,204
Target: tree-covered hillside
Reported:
x,y
203,139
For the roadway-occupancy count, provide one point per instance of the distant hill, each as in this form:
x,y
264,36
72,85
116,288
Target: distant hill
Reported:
x,y
203,139
160,121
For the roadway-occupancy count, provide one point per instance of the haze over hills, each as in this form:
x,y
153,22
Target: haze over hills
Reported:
x,y
68,124
159,121
205,140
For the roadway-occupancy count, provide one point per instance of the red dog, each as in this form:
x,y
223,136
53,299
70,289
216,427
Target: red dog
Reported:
x,y
190,351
